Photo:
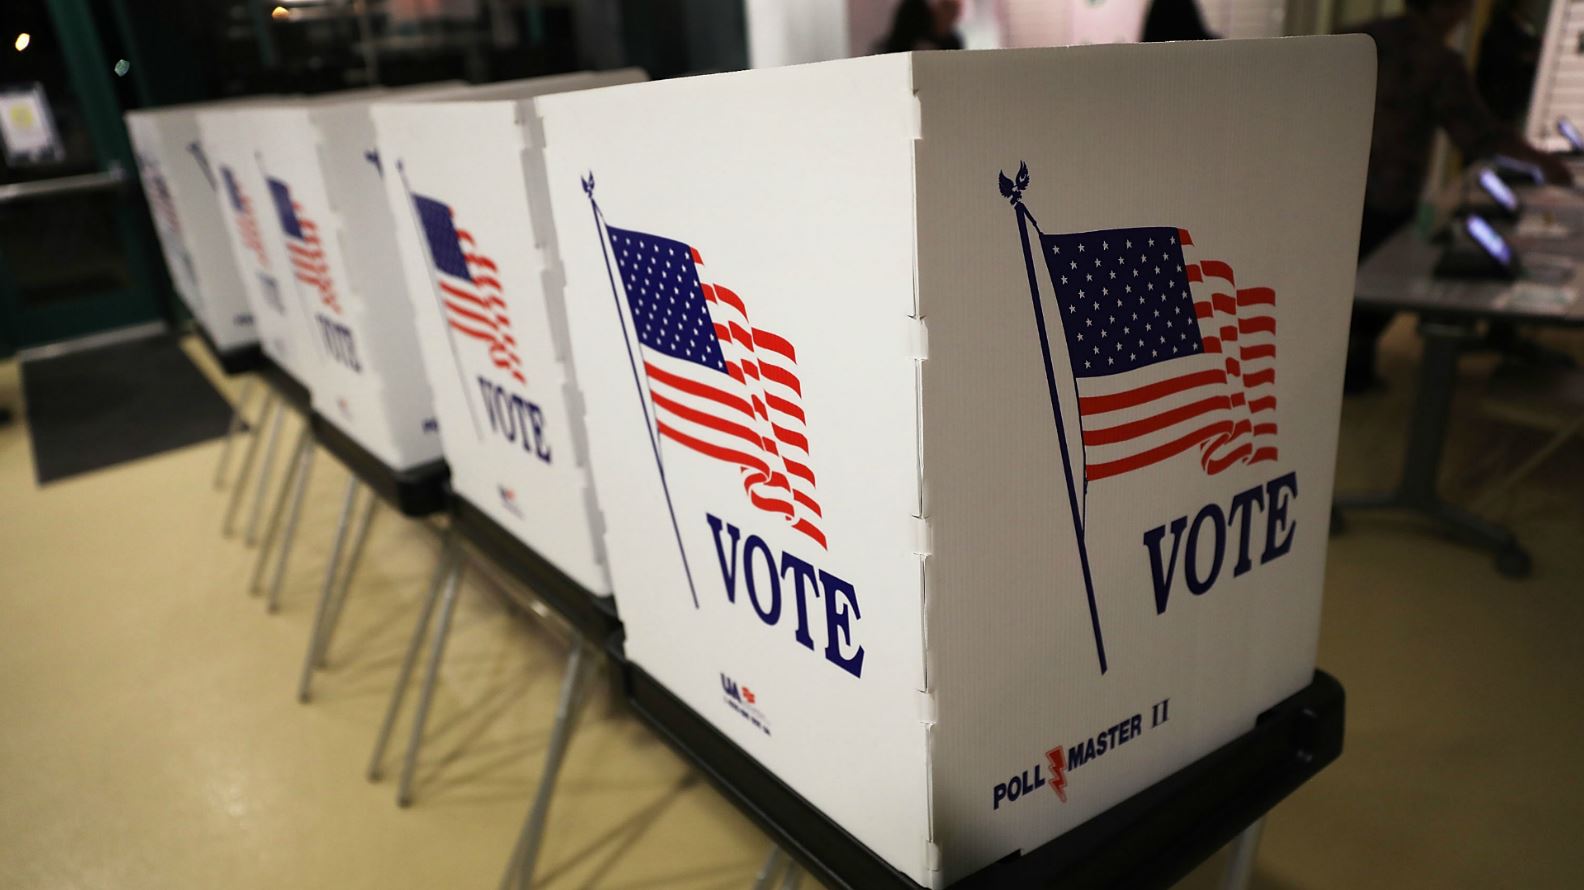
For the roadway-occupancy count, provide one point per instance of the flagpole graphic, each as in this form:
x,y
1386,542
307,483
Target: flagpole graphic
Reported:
x,y
423,238
1165,354
654,444
1013,191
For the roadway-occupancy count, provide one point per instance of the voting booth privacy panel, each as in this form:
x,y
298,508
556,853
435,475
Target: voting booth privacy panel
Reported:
x,y
322,175
464,183
180,187
233,137
964,424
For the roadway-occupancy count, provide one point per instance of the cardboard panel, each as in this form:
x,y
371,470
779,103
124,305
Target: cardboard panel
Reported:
x,y
1192,242
232,140
476,262
761,529
189,220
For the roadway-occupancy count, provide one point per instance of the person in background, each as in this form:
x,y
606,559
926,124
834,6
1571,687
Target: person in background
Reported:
x,y
1422,85
1509,55
1175,20
924,24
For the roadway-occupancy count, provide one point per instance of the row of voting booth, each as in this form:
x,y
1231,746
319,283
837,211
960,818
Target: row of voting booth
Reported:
x,y
952,433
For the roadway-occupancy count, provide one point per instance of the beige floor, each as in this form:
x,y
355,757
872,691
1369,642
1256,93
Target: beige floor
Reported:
x,y
149,737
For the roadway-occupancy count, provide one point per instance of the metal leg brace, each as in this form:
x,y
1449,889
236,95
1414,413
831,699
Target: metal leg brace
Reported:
x,y
580,664
272,525
237,422
450,557
302,471
333,620
305,679
227,528
426,691
265,471
1240,868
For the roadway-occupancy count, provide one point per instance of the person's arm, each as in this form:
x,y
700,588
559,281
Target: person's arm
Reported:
x,y
1476,132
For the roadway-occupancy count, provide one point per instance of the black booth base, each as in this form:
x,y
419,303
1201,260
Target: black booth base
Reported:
x,y
416,492
1152,839
238,360
593,616
285,386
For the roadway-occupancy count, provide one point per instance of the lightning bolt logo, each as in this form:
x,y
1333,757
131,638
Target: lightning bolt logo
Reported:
x,y
1057,757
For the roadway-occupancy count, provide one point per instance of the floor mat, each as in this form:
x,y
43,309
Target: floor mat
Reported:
x,y
100,407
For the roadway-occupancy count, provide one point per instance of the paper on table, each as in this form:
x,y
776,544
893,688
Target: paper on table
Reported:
x,y
1537,298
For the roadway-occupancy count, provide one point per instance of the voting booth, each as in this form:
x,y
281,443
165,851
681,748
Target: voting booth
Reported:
x,y
181,188
477,251
233,138
964,424
322,178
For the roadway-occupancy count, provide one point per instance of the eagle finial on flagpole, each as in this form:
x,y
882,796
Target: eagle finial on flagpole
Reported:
x,y
1012,189
588,184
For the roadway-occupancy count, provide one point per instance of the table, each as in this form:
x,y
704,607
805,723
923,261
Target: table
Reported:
x,y
1398,277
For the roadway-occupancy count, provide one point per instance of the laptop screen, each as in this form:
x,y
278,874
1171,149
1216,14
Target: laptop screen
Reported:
x,y
1493,244
1571,133
1498,190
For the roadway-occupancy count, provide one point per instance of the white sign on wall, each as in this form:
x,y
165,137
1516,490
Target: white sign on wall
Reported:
x,y
969,496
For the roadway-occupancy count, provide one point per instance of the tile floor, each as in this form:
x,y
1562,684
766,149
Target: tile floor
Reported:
x,y
149,736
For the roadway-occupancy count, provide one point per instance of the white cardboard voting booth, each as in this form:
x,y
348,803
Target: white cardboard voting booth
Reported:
x,y
232,136
322,172
964,423
180,186
477,255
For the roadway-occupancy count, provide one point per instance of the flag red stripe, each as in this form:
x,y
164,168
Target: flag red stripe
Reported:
x,y
1218,464
709,450
1262,350
774,343
782,376
1124,431
784,406
1263,403
705,419
1256,296
1264,429
807,528
1218,269
1260,324
1263,454
1260,377
1128,398
1156,454
694,388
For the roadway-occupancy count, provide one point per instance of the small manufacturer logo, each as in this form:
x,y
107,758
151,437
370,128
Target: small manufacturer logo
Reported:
x,y
509,501
745,702
1057,758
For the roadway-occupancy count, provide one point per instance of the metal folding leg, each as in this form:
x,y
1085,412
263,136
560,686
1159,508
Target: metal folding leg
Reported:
x,y
302,471
1240,868
771,868
305,679
444,577
265,471
270,402
580,663
426,691
237,422
354,559
288,489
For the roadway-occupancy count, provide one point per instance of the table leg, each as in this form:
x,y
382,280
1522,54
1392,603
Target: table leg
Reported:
x,y
1427,431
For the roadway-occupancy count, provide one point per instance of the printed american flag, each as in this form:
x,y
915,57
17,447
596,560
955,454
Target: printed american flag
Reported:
x,y
303,245
469,287
161,205
247,224
719,386
1168,354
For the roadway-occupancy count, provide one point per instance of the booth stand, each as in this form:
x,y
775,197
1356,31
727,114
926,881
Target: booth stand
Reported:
x,y
1152,839
591,620
416,493
244,359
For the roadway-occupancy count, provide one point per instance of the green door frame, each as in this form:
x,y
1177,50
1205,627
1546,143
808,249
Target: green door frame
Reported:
x,y
148,296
